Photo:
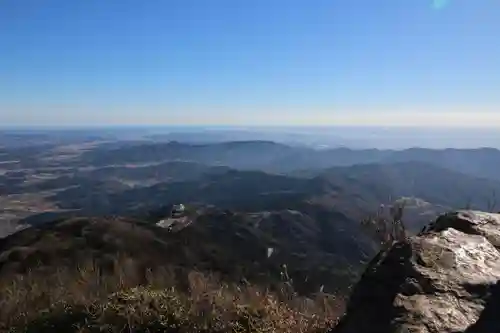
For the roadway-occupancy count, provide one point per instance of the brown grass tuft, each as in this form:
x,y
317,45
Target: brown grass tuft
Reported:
x,y
85,299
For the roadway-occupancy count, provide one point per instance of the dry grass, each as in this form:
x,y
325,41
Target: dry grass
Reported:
x,y
85,299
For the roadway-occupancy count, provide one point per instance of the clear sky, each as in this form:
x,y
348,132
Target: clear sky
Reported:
x,y
258,62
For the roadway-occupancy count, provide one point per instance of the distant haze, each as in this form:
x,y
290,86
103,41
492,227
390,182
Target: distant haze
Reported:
x,y
320,137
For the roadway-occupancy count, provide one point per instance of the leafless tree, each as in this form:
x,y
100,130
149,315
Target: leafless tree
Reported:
x,y
468,204
492,201
387,225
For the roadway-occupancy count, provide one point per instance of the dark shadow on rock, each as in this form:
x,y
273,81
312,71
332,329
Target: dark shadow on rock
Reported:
x,y
462,221
370,307
489,320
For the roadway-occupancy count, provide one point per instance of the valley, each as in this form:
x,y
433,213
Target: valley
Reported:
x,y
261,214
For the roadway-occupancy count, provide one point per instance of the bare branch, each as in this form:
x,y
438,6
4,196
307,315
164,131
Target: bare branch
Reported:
x,y
387,225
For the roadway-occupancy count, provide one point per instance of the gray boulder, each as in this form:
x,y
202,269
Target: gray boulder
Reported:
x,y
446,279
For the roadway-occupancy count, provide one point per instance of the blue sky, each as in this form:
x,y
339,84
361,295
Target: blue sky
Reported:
x,y
259,62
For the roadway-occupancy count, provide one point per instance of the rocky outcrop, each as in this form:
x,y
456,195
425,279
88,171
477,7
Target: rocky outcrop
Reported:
x,y
446,279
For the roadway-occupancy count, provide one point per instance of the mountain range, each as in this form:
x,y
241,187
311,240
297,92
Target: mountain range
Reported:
x,y
275,157
260,214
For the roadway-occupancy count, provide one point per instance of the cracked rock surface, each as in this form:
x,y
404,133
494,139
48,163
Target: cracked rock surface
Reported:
x,y
446,279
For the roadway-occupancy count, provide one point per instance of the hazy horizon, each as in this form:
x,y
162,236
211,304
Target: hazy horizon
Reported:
x,y
355,137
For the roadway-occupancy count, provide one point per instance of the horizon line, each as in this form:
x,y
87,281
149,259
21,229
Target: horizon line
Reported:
x,y
191,125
